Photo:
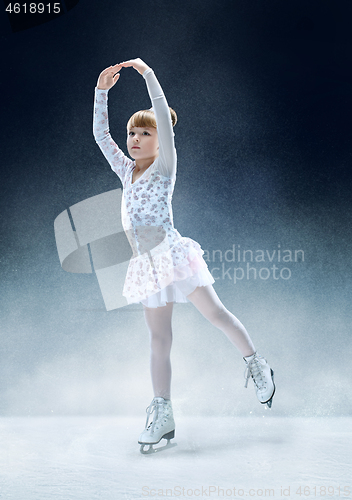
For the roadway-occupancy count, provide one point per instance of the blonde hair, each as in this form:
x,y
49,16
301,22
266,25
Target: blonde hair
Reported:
x,y
146,118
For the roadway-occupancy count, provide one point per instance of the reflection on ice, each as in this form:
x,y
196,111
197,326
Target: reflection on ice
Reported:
x,y
98,457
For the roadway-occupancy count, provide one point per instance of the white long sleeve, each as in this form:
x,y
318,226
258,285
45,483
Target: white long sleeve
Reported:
x,y
167,151
118,161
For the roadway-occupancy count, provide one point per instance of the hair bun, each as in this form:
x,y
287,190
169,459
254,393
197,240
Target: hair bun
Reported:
x,y
173,116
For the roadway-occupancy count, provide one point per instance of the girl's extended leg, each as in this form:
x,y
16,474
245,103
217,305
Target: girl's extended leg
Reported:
x,y
208,303
158,321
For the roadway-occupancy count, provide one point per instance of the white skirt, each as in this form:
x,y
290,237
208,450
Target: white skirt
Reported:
x,y
179,271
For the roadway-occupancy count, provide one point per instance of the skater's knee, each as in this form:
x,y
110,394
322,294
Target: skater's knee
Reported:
x,y
160,342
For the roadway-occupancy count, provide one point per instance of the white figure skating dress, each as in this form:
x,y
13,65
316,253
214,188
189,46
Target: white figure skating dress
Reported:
x,y
165,267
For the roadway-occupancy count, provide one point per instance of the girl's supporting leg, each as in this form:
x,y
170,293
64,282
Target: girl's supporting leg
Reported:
x,y
158,321
205,299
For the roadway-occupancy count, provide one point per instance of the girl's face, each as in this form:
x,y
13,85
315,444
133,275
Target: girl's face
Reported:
x,y
142,143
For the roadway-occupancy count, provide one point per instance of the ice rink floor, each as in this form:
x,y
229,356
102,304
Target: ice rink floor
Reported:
x,y
98,458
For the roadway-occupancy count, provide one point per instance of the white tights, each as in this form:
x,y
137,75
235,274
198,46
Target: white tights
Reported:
x,y
158,321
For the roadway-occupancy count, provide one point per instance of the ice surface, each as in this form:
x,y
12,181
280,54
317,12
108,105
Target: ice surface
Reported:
x,y
98,458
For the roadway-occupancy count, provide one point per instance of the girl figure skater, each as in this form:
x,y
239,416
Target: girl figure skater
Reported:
x,y
165,267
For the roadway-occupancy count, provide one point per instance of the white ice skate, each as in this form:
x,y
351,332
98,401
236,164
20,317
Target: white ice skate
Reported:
x,y
162,425
263,378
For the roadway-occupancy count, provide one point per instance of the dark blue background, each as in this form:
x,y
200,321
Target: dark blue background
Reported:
x,y
263,92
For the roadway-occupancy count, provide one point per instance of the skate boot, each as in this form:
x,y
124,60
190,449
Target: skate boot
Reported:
x,y
161,426
263,378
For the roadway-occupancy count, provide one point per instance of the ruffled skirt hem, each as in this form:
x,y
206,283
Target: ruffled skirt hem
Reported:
x,y
178,290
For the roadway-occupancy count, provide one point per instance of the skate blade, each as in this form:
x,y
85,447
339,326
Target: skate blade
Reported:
x,y
270,401
150,450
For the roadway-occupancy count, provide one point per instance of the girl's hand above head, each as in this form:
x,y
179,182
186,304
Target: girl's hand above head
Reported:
x,y
137,64
108,77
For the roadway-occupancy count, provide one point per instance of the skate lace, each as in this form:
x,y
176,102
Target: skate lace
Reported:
x,y
159,410
254,370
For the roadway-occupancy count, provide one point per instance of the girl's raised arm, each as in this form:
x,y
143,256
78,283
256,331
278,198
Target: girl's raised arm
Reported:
x,y
167,151
118,161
